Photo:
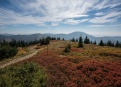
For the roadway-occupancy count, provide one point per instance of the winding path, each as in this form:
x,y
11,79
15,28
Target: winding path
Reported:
x,y
19,59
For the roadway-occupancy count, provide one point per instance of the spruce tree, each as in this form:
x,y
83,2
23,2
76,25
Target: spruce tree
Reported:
x,y
85,40
76,40
67,49
80,44
112,45
101,43
94,42
117,44
109,43
73,40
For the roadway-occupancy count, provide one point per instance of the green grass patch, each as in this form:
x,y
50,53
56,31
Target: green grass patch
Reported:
x,y
25,75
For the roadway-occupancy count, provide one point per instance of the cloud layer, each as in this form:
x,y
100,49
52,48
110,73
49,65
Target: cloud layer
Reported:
x,y
55,12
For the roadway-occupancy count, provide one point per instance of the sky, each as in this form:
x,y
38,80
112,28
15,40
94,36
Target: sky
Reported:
x,y
95,17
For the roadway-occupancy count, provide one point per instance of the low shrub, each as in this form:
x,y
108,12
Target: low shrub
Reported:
x,y
25,75
7,51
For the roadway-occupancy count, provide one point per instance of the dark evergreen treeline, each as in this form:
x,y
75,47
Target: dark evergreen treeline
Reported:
x,y
86,40
109,43
9,49
101,43
14,43
74,40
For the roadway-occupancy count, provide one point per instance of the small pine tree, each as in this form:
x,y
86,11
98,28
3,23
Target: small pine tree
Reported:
x,y
66,50
101,43
94,42
69,46
73,40
117,44
112,45
80,44
109,43
58,38
76,40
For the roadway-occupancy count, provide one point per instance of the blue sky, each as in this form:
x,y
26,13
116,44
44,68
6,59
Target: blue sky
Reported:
x,y
95,17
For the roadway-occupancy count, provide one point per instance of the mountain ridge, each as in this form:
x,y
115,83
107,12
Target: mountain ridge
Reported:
x,y
76,35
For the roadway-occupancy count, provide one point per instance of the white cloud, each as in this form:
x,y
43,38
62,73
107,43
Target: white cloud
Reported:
x,y
107,4
99,14
71,21
39,12
54,24
74,22
84,20
11,17
96,25
108,18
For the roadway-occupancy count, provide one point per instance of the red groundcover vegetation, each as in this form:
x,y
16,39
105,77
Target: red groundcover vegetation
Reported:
x,y
63,72
81,67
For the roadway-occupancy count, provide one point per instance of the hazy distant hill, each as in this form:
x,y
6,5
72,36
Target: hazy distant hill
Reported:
x,y
26,38
69,36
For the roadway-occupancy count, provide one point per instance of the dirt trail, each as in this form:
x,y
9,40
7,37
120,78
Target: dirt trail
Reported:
x,y
20,59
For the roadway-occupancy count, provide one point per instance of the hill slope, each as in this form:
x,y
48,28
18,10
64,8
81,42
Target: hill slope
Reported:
x,y
91,66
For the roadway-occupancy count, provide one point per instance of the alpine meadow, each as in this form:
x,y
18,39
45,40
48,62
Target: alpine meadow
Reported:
x,y
60,43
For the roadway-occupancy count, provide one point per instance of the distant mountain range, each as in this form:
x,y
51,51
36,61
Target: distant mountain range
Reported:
x,y
76,35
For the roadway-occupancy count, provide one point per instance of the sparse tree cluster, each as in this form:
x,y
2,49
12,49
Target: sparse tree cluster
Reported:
x,y
74,40
9,49
109,43
58,38
45,41
53,38
86,40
